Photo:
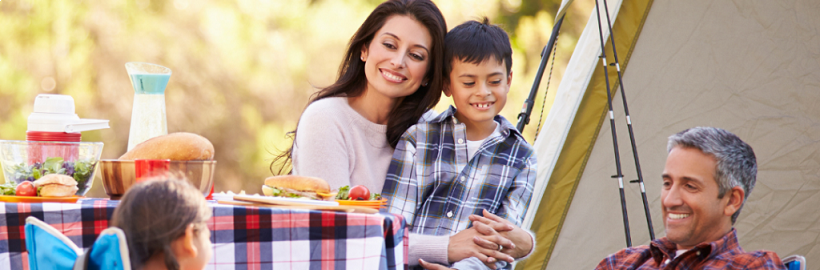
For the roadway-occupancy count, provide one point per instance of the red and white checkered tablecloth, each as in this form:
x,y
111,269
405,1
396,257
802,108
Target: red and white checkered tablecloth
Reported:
x,y
244,237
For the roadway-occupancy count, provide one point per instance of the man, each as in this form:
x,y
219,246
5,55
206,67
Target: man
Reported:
x,y
709,173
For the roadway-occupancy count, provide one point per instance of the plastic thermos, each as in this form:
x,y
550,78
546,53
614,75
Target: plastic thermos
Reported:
x,y
54,120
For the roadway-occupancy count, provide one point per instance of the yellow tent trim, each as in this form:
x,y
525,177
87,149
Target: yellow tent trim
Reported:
x,y
558,194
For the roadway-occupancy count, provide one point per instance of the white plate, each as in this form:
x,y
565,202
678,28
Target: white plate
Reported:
x,y
223,196
291,201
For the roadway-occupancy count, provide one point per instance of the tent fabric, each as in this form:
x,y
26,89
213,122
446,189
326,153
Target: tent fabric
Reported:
x,y
568,97
581,134
562,9
750,67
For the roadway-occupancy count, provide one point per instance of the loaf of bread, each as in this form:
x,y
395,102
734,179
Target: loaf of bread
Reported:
x,y
174,146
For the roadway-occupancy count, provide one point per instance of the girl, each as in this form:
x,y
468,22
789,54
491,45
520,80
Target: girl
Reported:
x,y
164,224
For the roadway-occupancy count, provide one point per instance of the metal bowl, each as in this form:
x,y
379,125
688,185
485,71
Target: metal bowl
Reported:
x,y
118,175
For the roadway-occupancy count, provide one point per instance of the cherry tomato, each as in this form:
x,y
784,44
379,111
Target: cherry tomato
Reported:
x,y
359,193
25,189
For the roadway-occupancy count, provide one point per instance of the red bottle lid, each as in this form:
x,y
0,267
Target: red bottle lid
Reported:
x,y
42,136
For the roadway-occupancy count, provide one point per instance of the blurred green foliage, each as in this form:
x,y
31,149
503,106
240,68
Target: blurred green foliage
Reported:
x,y
242,69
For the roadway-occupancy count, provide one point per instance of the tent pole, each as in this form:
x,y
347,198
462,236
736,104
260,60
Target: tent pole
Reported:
x,y
619,175
524,116
629,126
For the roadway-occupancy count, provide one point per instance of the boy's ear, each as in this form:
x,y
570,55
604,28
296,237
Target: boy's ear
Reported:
x,y
509,78
446,88
184,247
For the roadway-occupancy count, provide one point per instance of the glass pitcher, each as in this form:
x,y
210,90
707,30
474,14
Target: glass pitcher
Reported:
x,y
148,114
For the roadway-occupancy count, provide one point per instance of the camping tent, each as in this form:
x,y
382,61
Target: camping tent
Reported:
x,y
750,67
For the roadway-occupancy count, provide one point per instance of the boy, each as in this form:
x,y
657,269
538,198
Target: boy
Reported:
x,y
465,160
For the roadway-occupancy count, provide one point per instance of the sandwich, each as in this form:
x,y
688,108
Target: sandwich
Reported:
x,y
56,185
294,186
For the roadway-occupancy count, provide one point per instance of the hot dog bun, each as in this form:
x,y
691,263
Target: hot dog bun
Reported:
x,y
174,146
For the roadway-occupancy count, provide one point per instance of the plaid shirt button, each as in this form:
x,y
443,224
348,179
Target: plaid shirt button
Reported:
x,y
463,178
450,214
460,141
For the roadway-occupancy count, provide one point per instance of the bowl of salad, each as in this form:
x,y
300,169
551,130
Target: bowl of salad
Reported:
x,y
29,160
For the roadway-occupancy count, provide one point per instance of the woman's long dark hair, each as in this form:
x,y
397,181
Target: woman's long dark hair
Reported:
x,y
352,81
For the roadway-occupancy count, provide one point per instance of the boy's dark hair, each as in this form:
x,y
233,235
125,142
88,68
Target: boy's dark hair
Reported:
x,y
474,42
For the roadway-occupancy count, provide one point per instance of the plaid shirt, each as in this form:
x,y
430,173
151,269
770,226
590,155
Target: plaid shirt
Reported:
x,y
432,184
725,253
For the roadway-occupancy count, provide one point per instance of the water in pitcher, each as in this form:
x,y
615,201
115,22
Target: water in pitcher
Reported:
x,y
148,114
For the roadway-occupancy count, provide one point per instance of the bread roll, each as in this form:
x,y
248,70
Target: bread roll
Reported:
x,y
296,182
56,185
59,179
54,190
174,146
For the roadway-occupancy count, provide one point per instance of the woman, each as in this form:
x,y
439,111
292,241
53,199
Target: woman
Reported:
x,y
391,75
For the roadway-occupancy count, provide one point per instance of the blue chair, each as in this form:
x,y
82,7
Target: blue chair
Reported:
x,y
48,249
795,262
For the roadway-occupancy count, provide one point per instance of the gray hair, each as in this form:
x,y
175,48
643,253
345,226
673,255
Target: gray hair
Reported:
x,y
736,162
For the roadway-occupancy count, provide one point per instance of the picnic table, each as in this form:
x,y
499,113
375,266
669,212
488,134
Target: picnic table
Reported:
x,y
244,237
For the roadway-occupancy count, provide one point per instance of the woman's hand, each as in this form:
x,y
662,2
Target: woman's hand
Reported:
x,y
522,242
465,244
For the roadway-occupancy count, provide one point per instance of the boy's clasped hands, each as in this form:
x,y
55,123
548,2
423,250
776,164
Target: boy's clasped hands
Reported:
x,y
492,240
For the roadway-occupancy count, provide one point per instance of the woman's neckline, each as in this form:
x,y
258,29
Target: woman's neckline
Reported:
x,y
364,106
356,117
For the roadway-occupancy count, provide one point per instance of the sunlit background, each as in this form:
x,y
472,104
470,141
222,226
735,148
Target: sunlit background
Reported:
x,y
242,70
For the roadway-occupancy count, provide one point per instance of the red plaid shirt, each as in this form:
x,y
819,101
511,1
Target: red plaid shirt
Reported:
x,y
725,253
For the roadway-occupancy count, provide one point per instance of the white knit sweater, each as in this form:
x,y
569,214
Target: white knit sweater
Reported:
x,y
336,143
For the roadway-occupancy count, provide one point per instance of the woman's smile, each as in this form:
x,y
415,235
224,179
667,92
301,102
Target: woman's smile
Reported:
x,y
392,76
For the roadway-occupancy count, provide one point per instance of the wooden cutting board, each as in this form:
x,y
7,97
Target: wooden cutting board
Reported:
x,y
271,202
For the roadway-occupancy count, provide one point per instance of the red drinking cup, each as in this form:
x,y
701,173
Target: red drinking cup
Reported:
x,y
147,168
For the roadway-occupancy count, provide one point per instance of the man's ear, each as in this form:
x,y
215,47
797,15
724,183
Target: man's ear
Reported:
x,y
736,196
184,247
